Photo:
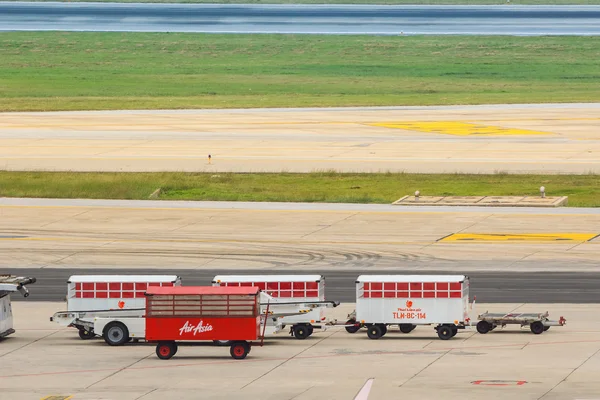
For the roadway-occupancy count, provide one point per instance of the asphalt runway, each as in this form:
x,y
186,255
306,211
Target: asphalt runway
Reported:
x,y
519,138
488,287
302,19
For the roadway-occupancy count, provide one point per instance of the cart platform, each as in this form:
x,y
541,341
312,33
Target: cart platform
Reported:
x,y
537,322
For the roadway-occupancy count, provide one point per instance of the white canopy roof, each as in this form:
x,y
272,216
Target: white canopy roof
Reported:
x,y
122,278
412,278
8,287
267,278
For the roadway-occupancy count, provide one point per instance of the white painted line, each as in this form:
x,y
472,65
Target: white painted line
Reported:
x,y
364,391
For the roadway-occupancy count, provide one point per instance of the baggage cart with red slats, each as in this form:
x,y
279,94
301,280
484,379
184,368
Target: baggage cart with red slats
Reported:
x,y
411,300
192,314
110,298
301,296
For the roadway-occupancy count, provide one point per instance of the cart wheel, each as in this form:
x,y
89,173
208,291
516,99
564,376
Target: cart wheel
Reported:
x,y
445,332
537,327
375,331
166,350
383,329
484,327
310,330
407,328
85,334
239,350
454,331
301,332
115,334
546,328
352,329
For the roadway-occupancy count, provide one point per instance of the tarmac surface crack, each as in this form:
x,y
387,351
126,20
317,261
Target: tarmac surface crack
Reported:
x,y
427,366
330,225
301,393
570,373
287,360
29,344
66,218
117,371
146,394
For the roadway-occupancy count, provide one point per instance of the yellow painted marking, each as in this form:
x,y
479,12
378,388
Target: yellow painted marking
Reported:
x,y
57,397
457,128
520,237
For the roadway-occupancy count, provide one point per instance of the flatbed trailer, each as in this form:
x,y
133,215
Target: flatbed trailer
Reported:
x,y
538,322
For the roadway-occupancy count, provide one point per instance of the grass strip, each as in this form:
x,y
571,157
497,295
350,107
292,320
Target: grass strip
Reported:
x,y
329,187
49,71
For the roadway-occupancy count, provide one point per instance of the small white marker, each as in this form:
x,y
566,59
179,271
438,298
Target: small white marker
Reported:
x,y
363,394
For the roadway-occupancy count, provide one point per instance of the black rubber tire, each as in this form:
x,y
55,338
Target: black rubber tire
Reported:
x,y
407,328
115,334
445,332
239,350
166,350
454,331
84,334
311,329
352,329
484,327
375,331
537,327
301,332
384,329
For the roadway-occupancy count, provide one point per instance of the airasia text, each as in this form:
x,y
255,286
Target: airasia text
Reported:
x,y
200,328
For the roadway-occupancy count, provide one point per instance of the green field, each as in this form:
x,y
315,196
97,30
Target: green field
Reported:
x,y
331,187
83,71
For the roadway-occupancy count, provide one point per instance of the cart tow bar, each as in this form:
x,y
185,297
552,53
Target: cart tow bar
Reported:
x,y
262,339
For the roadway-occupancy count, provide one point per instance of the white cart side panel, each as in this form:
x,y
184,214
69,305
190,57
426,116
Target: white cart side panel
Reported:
x,y
411,302
6,318
412,278
107,295
124,278
265,278
417,311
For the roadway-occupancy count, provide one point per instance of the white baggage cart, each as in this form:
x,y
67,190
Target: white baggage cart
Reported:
x,y
108,296
300,298
408,301
8,285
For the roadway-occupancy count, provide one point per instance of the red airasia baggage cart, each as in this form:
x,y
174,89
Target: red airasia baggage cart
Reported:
x,y
203,313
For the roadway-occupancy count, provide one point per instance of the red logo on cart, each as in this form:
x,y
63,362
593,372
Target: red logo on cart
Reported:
x,y
121,304
409,303
200,328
